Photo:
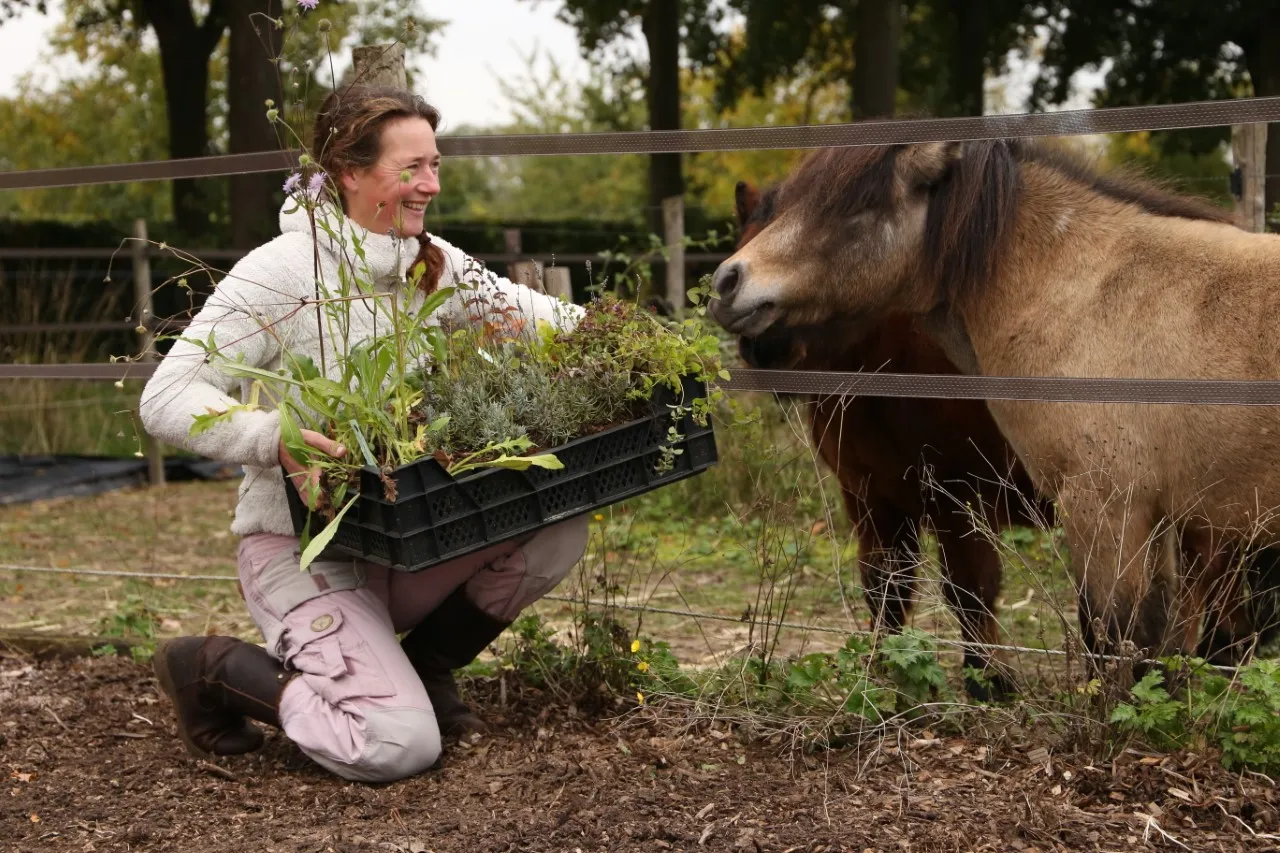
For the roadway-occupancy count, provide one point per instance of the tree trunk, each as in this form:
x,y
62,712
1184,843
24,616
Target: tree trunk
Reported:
x,y
877,35
968,61
252,80
662,34
185,48
1264,68
661,26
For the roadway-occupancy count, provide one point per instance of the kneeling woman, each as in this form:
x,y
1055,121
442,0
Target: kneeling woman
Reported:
x,y
334,677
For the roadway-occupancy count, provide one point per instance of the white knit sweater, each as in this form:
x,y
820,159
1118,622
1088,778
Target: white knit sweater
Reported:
x,y
264,291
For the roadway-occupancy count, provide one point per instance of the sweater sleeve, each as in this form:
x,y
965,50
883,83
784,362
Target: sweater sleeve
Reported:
x,y
242,320
483,293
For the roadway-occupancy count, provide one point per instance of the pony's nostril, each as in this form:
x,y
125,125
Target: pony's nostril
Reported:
x,y
727,279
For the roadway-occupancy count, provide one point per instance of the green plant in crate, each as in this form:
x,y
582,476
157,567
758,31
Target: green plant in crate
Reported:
x,y
490,383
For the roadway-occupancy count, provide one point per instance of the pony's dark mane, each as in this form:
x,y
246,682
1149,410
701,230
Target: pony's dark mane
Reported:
x,y
839,182
973,203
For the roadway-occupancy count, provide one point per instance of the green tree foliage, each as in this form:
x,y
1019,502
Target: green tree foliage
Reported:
x,y
615,187
1167,52
923,56
669,28
117,110
114,114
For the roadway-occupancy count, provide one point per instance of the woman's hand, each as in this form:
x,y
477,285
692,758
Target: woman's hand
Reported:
x,y
307,480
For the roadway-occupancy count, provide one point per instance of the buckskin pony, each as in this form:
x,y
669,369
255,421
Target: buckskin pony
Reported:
x,y
1018,259
907,464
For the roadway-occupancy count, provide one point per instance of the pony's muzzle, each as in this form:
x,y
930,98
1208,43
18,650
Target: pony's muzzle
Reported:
x,y
727,279
735,318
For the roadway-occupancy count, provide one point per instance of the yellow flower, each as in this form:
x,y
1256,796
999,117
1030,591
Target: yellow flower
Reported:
x,y
643,666
635,646
640,698
599,517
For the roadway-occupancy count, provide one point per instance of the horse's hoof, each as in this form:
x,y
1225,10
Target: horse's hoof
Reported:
x,y
994,687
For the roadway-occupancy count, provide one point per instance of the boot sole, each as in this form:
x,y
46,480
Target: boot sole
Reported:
x,y
159,665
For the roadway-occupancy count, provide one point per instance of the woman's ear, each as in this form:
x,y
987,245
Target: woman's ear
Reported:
x,y
350,183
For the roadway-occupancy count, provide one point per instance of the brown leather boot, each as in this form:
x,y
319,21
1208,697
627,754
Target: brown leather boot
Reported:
x,y
450,638
215,683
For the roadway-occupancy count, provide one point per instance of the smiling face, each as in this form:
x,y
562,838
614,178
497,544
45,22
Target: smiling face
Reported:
x,y
394,192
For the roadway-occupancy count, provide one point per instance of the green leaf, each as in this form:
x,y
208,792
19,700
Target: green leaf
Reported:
x,y
433,302
291,435
247,371
304,368
515,463
333,390
1149,689
321,539
364,446
204,423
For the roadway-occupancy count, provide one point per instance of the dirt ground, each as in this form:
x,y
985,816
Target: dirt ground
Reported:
x,y
91,764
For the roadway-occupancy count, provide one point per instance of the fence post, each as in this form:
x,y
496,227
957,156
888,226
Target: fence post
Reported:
x,y
1249,153
146,317
528,273
380,65
558,284
511,241
673,226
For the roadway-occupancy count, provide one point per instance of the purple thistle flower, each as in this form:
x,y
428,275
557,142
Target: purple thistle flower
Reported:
x,y
291,183
315,186
308,4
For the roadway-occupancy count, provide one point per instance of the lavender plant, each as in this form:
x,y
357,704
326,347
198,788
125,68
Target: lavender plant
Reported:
x,y
495,382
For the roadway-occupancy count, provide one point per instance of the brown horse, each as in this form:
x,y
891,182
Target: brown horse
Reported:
x,y
1017,259
907,464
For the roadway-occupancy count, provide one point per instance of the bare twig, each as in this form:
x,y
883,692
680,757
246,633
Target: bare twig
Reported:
x,y
217,771
1152,824
1248,829
57,719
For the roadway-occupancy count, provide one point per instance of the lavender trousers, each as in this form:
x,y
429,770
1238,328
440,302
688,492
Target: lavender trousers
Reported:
x,y
358,708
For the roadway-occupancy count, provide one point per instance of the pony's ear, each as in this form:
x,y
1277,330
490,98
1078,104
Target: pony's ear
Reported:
x,y
746,198
923,166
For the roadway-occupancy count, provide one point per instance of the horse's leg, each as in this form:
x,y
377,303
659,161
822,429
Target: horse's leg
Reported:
x,y
1264,595
1212,574
1226,632
1123,561
971,574
887,546
888,550
1243,611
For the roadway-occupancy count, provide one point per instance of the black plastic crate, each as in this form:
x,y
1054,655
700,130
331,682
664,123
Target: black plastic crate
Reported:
x,y
436,518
